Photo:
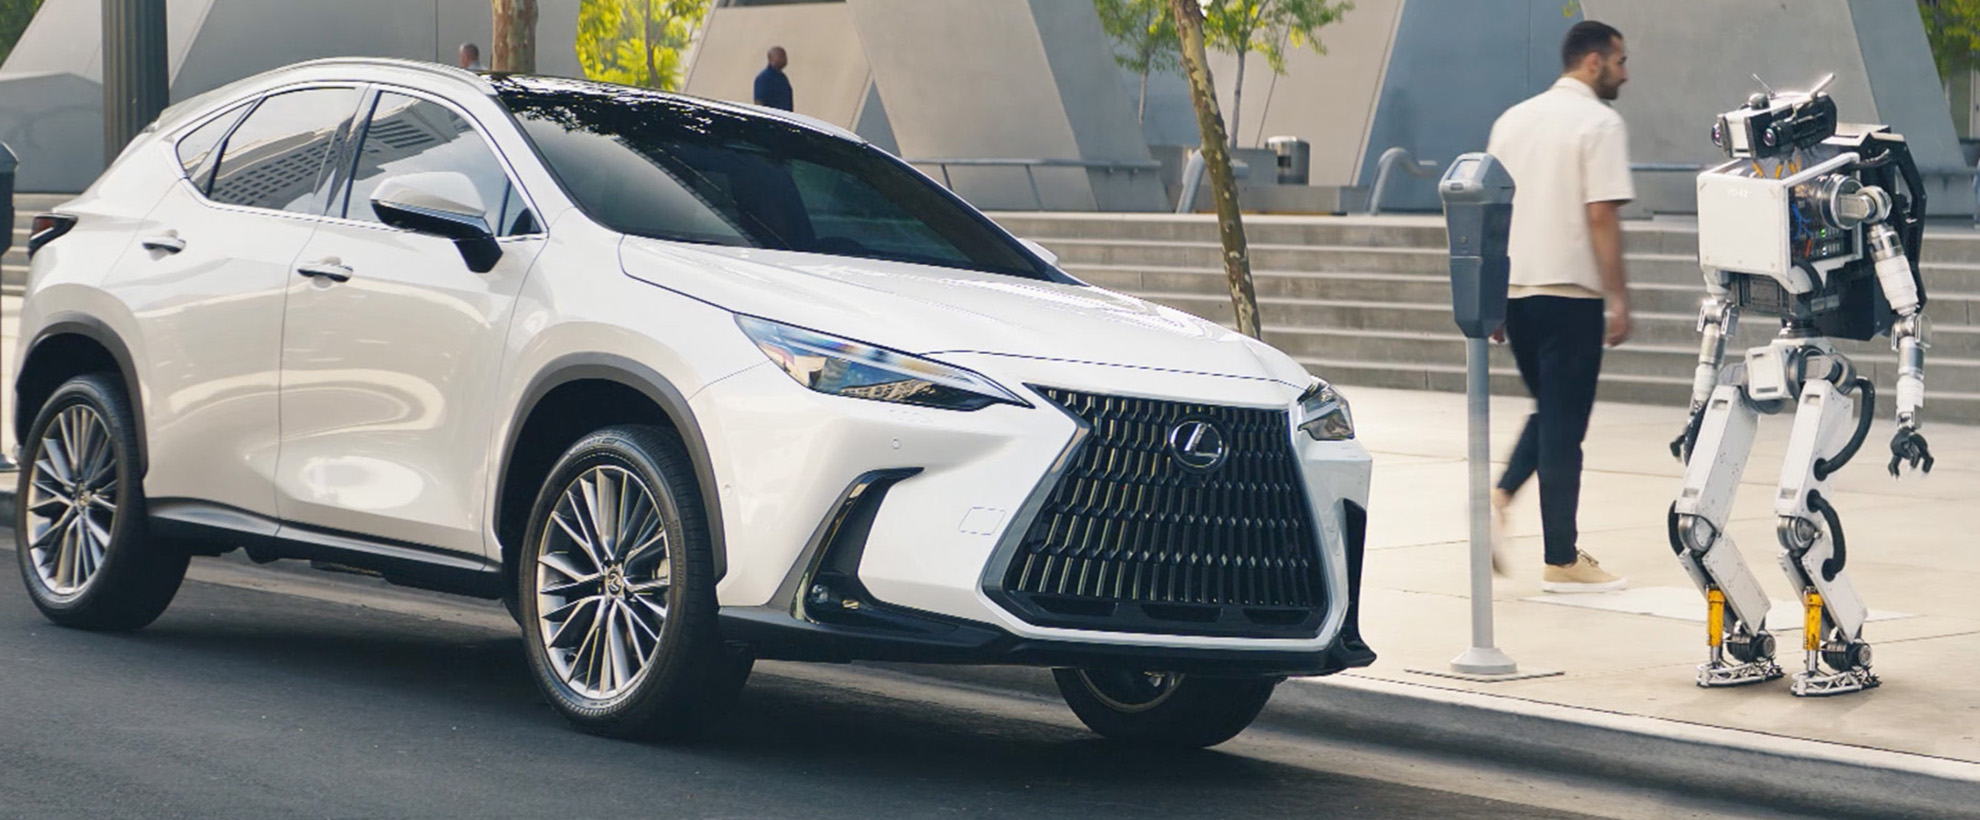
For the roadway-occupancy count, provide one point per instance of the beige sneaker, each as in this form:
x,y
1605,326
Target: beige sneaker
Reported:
x,y
1584,575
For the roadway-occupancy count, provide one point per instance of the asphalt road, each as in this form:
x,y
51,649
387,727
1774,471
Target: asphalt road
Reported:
x,y
318,696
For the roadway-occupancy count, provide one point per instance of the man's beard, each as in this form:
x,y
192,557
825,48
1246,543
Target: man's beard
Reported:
x,y
1605,85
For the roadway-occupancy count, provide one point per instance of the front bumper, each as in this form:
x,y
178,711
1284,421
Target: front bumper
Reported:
x,y
841,623
960,486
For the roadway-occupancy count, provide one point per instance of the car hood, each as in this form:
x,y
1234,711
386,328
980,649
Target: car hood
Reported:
x,y
927,310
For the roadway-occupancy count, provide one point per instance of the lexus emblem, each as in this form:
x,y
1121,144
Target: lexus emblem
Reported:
x,y
1198,444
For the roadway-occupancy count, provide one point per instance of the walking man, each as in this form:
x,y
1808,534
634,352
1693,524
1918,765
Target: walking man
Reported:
x,y
1569,156
773,89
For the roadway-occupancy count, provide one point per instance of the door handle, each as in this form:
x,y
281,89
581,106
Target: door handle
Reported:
x,y
169,243
328,270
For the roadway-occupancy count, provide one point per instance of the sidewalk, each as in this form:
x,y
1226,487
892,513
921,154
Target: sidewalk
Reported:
x,y
1634,652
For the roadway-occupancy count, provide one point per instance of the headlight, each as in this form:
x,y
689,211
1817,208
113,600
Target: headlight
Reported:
x,y
1324,413
843,367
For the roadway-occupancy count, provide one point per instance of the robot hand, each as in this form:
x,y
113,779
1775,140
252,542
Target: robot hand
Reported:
x,y
1687,438
1909,445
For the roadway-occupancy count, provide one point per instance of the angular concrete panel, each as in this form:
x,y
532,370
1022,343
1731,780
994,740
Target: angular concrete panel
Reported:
x,y
828,71
985,79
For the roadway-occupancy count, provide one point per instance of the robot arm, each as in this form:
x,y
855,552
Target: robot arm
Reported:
x,y
1909,338
1718,318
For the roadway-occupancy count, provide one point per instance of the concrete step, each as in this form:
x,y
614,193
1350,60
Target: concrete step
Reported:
x,y
1673,362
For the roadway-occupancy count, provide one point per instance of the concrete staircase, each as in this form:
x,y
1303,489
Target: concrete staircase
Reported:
x,y
1366,300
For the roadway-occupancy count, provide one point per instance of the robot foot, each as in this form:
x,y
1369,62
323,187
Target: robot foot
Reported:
x,y
1738,674
1807,685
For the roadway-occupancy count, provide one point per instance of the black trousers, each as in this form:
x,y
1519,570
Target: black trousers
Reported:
x,y
1557,342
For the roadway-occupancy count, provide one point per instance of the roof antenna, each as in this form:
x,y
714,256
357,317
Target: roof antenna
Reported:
x,y
1823,85
1763,84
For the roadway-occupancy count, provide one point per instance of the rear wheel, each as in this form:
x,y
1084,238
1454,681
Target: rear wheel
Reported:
x,y
616,590
1163,708
81,536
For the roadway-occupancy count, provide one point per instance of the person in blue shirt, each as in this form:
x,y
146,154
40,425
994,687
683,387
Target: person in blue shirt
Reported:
x,y
773,89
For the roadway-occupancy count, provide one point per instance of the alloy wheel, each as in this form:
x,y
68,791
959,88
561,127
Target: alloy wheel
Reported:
x,y
603,576
72,501
1130,692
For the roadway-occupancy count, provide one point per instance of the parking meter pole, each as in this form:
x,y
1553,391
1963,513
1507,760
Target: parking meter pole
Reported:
x,y
1477,195
1483,658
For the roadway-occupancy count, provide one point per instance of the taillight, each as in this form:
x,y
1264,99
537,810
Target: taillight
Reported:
x,y
46,228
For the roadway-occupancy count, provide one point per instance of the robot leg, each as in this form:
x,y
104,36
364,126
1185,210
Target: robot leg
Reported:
x,y
1739,649
1813,549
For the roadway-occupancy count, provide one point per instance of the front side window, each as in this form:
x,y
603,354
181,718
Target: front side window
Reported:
x,y
409,135
663,167
275,159
199,147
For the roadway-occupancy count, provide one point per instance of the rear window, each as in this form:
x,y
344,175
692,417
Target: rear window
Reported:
x,y
668,168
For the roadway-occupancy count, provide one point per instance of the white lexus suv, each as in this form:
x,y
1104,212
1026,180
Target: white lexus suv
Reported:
x,y
687,384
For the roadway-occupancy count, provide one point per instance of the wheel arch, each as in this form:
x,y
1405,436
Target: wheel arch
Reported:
x,y
575,395
70,345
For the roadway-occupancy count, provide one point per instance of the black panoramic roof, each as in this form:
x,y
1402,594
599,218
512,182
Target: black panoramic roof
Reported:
x,y
538,93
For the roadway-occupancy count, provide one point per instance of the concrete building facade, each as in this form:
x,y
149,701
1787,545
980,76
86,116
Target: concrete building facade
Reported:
x,y
1024,92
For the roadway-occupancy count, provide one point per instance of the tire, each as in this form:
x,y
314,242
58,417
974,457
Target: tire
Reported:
x,y
654,667
1163,709
85,550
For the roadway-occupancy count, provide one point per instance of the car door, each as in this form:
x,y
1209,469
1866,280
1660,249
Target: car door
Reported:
x,y
391,345
205,283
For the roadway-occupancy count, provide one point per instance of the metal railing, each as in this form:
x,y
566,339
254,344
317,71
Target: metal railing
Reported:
x,y
1132,167
1391,158
1400,157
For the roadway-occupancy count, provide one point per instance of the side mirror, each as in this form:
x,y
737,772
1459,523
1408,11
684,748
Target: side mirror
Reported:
x,y
441,203
1042,252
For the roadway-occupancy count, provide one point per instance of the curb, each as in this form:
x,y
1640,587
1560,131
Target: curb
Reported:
x,y
1732,766
1791,774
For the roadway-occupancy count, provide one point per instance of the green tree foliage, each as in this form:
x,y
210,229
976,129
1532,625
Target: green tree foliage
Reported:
x,y
1268,28
638,42
14,17
1953,29
1145,42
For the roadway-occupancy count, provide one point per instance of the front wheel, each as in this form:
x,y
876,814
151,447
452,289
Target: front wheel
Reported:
x,y
616,590
1163,708
80,534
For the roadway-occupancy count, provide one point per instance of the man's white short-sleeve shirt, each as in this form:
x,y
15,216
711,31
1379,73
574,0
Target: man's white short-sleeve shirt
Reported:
x,y
1565,149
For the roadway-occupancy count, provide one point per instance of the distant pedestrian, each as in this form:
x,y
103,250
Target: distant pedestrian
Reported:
x,y
1569,156
469,57
773,89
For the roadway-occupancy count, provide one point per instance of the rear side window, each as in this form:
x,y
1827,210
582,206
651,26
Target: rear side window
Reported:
x,y
275,159
408,135
200,147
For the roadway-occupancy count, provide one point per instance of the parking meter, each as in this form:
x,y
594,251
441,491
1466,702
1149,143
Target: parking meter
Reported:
x,y
1478,195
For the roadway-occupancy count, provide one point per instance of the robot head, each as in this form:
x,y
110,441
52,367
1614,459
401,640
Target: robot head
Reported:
x,y
1776,124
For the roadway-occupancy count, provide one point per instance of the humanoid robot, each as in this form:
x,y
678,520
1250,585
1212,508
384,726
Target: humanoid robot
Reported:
x,y
1817,224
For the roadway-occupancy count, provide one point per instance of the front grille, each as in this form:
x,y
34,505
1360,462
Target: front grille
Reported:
x,y
1130,539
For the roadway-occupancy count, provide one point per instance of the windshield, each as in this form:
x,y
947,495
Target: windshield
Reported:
x,y
672,168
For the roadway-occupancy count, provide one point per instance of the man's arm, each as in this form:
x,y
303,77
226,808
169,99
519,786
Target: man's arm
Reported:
x,y
1605,232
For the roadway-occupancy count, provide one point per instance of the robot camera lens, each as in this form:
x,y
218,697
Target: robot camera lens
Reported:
x,y
1718,134
1771,138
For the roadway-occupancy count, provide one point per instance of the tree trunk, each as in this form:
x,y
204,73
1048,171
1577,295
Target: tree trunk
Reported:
x,y
1217,159
514,48
1237,98
1141,110
652,71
